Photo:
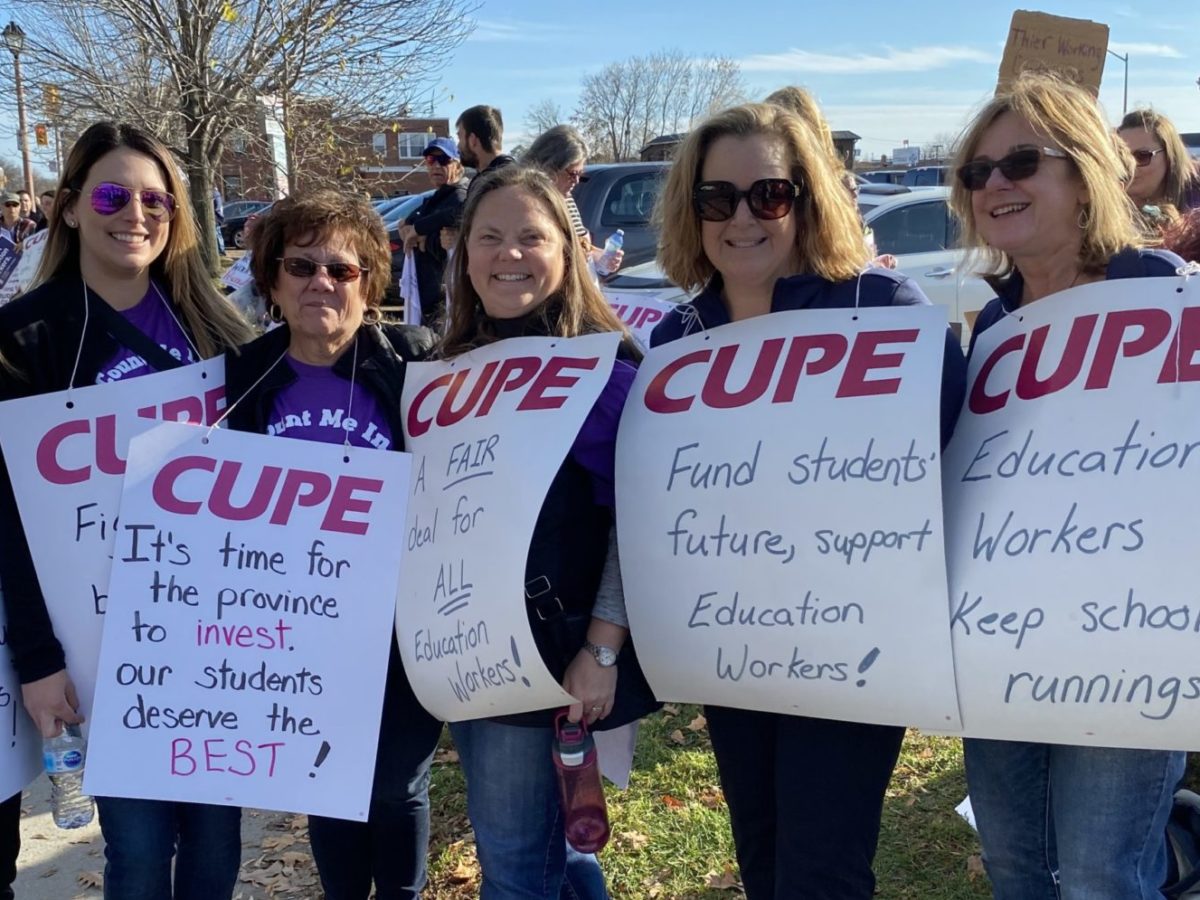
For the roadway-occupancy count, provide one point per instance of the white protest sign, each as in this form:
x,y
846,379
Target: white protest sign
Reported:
x,y
248,631
488,431
27,265
1071,492
780,520
20,743
66,456
641,311
239,274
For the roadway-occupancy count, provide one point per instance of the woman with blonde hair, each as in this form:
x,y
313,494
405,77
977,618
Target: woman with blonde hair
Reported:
x,y
121,292
1040,198
755,216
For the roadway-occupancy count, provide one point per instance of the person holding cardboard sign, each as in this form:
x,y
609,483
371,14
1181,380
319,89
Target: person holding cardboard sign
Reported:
x,y
520,271
760,221
121,291
331,372
1040,197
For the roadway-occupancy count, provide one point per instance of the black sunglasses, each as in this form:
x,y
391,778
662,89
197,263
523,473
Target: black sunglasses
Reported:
x,y
437,158
1018,165
1144,157
306,268
767,198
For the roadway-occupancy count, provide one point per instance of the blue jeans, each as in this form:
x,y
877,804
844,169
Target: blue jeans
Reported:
x,y
805,798
391,846
1076,823
141,837
512,801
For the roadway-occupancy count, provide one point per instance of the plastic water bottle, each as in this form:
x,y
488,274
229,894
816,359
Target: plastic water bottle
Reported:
x,y
607,263
63,758
584,810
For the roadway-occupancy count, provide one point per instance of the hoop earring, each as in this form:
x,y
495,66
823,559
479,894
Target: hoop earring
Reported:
x,y
275,313
372,316
1084,219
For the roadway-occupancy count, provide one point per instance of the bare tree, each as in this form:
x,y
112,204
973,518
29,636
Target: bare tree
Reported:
x,y
196,72
627,104
542,116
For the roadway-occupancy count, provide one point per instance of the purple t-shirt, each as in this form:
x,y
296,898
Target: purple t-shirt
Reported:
x,y
595,446
151,317
319,406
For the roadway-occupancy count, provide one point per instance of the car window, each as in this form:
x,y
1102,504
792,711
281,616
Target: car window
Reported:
x,y
631,200
914,228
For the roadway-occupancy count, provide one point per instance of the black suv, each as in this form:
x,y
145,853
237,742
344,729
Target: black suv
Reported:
x,y
622,195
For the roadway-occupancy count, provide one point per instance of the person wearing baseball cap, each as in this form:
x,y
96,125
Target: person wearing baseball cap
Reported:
x,y
15,225
441,209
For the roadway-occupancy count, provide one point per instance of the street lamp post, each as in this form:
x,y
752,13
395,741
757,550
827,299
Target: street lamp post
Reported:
x,y
1125,98
14,38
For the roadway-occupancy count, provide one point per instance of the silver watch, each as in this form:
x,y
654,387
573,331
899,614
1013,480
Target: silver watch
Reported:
x,y
605,657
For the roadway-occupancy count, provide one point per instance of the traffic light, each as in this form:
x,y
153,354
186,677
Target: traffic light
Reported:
x,y
41,134
51,101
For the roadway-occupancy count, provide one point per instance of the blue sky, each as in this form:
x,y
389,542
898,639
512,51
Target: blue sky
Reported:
x,y
888,71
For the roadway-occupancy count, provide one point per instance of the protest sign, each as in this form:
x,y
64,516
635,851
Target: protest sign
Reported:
x,y
1075,48
779,517
249,625
23,267
488,431
239,274
20,743
9,259
1071,487
641,311
66,456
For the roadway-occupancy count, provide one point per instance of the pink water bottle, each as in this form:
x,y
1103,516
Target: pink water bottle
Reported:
x,y
579,785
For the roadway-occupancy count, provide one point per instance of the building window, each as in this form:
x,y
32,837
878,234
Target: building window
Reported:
x,y
237,144
411,144
233,187
379,144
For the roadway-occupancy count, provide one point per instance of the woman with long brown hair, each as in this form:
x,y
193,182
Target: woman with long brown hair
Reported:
x,y
121,291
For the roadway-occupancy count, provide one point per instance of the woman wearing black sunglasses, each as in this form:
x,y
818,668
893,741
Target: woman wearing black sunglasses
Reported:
x,y
331,372
1075,822
1163,172
121,291
756,215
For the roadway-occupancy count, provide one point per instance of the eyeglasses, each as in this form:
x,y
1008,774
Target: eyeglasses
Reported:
x,y
13,205
108,199
767,198
340,272
437,159
1144,157
1017,166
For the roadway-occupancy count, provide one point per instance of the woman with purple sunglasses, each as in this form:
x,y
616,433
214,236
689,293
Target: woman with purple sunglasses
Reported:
x,y
121,291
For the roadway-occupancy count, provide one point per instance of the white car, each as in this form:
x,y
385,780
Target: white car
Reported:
x,y
921,232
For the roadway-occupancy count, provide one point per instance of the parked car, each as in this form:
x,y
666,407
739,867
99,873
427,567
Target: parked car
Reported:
x,y
885,176
925,176
233,228
920,231
622,195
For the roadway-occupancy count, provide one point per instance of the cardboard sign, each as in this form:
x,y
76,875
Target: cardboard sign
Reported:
x,y
1071,488
641,311
238,275
66,457
249,623
20,743
780,520
1075,48
488,431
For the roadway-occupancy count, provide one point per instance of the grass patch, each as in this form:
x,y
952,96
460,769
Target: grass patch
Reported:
x,y
671,837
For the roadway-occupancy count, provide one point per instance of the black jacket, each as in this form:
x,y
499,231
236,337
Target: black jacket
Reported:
x,y
383,351
441,209
40,334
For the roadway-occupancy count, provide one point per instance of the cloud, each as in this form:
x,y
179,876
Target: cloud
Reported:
x,y
918,59
1163,50
515,31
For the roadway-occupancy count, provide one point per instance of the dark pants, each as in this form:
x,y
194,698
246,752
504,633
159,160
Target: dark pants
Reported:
x,y
805,797
142,836
10,843
390,847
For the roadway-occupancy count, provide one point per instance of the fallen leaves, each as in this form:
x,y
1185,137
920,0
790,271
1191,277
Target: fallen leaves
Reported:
x,y
724,881
91,880
975,869
698,724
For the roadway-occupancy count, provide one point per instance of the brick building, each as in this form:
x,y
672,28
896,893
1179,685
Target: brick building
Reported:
x,y
378,154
